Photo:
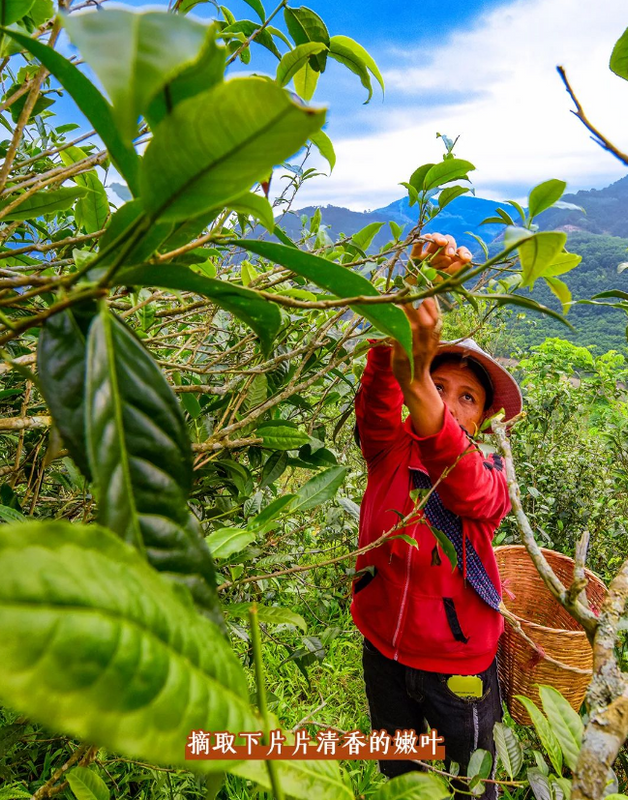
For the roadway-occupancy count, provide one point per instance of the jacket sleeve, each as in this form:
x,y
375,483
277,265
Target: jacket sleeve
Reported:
x,y
476,486
378,405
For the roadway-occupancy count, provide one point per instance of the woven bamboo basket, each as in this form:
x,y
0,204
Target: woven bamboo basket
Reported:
x,y
548,625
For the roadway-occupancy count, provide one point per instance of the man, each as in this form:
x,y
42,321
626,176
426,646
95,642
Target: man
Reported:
x,y
431,632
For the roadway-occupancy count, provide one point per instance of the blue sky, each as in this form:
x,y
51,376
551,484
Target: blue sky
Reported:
x,y
481,69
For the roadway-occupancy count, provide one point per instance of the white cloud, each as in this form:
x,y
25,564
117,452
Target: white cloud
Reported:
x,y
515,124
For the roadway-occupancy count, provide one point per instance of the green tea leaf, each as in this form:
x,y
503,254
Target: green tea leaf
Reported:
x,y
539,784
92,210
87,784
417,179
325,147
562,263
561,290
9,514
565,723
279,506
413,786
226,541
134,54
214,146
619,56
538,253
272,615
141,459
305,81
319,489
84,619
446,546
61,363
342,282
257,6
545,732
12,10
90,102
262,316
281,435
480,764
508,749
207,69
544,196
452,169
524,302
256,206
304,25
364,238
357,59
295,60
45,202
300,779
273,468
449,194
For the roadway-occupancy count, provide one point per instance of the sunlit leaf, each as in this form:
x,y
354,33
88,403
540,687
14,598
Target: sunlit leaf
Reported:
x,y
562,292
87,784
90,101
452,169
544,731
227,541
295,60
357,59
304,25
538,253
619,56
565,723
44,202
544,196
215,146
84,619
134,54
325,147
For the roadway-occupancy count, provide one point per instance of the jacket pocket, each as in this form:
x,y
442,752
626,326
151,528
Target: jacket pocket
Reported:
x,y
431,627
452,620
363,581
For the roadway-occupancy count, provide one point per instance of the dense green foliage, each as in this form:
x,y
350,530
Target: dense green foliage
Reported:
x,y
595,326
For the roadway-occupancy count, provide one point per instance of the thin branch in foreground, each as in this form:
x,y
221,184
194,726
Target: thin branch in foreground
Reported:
x,y
597,137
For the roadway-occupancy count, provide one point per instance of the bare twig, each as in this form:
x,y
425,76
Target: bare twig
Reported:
x,y
597,137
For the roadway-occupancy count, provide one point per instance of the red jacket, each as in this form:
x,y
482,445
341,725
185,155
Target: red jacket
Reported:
x,y
414,609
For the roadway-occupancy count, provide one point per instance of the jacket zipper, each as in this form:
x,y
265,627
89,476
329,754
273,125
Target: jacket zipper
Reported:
x,y
402,607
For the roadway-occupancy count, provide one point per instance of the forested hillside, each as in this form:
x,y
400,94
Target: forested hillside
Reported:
x,y
599,235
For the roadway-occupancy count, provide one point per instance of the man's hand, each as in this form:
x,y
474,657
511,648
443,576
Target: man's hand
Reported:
x,y
419,393
425,324
442,252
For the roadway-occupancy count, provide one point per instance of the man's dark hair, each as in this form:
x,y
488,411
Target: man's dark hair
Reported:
x,y
476,368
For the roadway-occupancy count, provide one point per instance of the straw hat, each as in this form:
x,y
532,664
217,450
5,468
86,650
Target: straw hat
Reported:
x,y
506,392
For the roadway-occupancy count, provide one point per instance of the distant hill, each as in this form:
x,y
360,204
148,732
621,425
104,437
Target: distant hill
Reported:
x,y
606,211
461,216
600,236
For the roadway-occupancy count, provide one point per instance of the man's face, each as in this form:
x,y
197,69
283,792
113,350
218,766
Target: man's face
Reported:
x,y
462,393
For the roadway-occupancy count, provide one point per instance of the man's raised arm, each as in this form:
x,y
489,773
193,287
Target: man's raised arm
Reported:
x,y
378,404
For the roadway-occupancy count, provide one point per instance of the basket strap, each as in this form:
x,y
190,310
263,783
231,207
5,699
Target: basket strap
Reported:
x,y
451,525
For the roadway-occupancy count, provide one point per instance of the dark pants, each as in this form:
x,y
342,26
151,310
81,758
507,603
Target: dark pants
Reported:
x,y
401,697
